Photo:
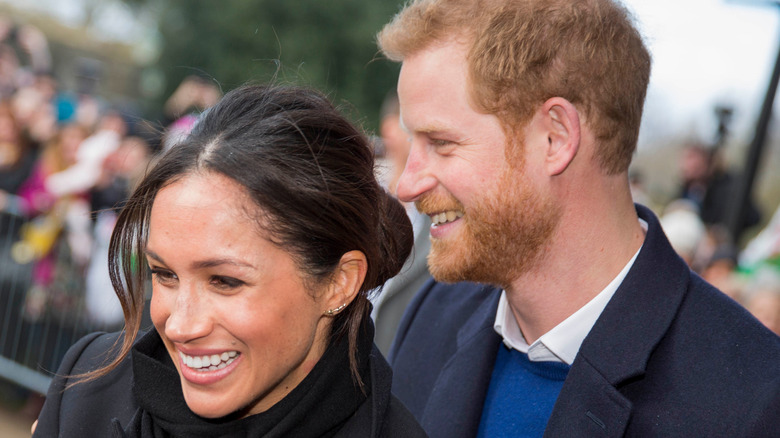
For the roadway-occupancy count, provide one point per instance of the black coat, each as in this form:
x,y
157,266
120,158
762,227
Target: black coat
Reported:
x,y
670,356
104,407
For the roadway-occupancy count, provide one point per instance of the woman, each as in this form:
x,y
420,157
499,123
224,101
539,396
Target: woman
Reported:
x,y
264,231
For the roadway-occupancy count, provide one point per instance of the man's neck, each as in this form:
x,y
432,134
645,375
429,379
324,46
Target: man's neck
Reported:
x,y
586,254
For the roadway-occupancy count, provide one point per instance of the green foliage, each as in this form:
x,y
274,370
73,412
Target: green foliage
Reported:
x,y
329,45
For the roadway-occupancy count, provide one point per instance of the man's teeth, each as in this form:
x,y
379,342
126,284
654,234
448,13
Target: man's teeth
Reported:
x,y
446,216
210,362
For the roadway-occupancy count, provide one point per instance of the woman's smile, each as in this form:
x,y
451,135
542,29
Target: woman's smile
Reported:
x,y
208,369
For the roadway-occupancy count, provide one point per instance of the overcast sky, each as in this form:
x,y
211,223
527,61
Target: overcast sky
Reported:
x,y
706,52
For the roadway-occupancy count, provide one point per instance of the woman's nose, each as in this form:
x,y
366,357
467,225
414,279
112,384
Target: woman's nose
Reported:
x,y
189,317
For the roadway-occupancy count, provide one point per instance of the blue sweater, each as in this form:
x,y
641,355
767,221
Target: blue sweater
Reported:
x,y
521,395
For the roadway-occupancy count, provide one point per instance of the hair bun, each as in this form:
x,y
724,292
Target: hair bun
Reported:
x,y
396,237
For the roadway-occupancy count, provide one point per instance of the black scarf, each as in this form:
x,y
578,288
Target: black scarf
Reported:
x,y
317,407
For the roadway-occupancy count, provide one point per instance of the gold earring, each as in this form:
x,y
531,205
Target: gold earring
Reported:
x,y
331,312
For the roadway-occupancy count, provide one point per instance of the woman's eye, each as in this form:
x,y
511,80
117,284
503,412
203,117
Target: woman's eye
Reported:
x,y
226,282
163,276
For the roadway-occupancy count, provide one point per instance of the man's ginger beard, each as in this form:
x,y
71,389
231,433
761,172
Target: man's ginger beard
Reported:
x,y
501,237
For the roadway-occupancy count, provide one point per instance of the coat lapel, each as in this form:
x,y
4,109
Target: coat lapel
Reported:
x,y
620,343
465,378
588,407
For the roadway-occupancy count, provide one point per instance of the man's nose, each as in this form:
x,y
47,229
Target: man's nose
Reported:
x,y
418,175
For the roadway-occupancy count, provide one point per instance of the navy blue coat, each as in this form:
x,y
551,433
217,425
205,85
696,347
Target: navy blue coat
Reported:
x,y
669,356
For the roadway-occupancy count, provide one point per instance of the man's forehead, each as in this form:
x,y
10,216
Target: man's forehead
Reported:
x,y
431,86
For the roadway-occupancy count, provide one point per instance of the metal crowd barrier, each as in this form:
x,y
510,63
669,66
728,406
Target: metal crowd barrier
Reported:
x,y
33,336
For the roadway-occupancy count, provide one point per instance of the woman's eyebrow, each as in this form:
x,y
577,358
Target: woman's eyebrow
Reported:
x,y
153,255
210,263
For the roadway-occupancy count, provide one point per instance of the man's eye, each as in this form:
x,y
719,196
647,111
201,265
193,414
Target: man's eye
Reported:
x,y
440,142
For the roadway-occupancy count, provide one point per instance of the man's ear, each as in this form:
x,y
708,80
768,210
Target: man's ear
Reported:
x,y
346,282
562,124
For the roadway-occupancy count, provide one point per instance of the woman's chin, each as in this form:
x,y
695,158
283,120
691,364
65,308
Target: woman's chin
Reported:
x,y
207,410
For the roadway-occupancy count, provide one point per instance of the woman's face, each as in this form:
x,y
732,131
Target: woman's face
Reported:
x,y
224,294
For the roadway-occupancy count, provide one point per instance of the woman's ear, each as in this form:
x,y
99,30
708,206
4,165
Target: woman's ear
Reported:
x,y
562,123
346,282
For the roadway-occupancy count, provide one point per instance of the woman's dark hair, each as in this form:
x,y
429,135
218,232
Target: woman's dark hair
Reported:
x,y
310,172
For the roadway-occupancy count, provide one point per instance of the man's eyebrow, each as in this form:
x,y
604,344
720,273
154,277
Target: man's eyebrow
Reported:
x,y
431,130
434,130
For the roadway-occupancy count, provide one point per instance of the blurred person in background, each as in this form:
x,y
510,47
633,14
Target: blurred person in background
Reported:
x,y
9,67
35,109
50,215
683,228
764,304
191,97
32,44
121,172
759,262
396,294
395,142
762,297
639,193
25,127
17,160
17,157
709,185
704,249
720,271
764,248
85,173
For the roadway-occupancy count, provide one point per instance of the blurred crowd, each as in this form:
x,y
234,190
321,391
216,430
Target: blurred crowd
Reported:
x,y
68,159
65,161
696,225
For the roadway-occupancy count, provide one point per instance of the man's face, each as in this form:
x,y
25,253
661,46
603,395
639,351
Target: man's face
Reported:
x,y
490,223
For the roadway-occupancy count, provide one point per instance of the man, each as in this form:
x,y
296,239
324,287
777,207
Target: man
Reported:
x,y
396,294
523,117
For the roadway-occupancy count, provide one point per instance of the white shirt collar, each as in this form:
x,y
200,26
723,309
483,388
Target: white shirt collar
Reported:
x,y
562,343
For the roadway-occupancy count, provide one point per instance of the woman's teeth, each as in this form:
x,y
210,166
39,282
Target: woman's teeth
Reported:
x,y
447,216
209,362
